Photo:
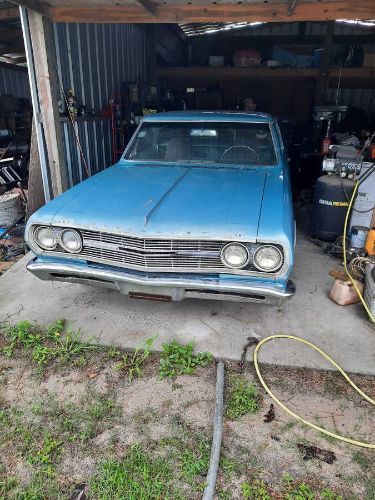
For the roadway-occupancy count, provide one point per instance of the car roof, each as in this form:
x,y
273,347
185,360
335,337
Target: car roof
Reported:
x,y
206,116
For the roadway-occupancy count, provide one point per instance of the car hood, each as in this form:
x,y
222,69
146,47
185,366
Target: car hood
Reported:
x,y
169,201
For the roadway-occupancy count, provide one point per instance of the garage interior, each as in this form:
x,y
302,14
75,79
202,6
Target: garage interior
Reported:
x,y
307,63
84,409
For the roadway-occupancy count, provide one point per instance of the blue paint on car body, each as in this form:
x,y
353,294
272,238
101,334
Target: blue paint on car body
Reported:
x,y
186,201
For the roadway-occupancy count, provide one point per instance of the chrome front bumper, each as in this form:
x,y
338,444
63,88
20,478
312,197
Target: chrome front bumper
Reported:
x,y
163,288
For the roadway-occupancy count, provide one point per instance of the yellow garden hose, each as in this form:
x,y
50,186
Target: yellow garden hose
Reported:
x,y
371,316
285,408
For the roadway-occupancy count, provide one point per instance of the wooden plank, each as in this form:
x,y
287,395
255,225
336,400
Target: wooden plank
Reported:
x,y
7,14
224,72
184,13
35,5
35,195
44,62
347,75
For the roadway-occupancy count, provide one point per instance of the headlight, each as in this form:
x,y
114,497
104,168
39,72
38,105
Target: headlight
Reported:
x,y
235,255
267,258
71,241
45,238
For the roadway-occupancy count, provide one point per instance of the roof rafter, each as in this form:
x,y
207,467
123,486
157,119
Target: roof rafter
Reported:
x,y
105,12
35,5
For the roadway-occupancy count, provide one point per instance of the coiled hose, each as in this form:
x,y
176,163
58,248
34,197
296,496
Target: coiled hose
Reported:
x,y
285,408
370,314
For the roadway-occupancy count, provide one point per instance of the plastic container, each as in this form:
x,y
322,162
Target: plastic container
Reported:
x,y
358,236
344,293
370,242
369,294
293,56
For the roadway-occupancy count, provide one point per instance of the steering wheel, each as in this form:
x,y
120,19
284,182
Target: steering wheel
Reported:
x,y
248,148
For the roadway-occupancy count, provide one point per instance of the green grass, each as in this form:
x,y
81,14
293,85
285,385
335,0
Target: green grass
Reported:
x,y
137,476
361,459
370,489
43,345
196,460
242,398
79,422
256,490
132,362
297,490
177,359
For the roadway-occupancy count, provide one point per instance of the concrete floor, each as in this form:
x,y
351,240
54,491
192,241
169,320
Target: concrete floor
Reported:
x,y
219,327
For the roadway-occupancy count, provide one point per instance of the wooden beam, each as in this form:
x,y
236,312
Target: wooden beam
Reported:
x,y
148,6
48,93
324,10
7,14
35,5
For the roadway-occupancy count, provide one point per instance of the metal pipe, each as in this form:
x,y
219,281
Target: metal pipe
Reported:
x,y
209,491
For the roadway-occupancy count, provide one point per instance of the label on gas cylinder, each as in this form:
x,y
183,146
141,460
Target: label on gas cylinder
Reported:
x,y
334,203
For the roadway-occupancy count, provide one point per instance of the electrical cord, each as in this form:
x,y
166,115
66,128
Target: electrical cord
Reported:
x,y
298,417
357,267
370,314
71,120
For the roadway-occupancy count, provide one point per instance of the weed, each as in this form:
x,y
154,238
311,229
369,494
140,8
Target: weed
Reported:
x,y
294,490
257,489
44,345
40,487
45,455
133,362
177,359
6,485
370,489
134,477
328,494
242,399
361,460
288,425
112,353
195,461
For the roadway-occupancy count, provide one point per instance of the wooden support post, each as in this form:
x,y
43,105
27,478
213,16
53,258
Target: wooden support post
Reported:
x,y
323,79
47,90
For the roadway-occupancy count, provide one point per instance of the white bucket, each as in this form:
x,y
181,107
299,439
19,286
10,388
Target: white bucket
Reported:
x,y
11,209
358,236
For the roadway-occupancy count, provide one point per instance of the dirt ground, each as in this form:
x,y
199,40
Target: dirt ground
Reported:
x,y
66,421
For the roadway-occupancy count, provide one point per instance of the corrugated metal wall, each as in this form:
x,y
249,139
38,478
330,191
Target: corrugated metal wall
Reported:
x,y
94,60
14,80
358,98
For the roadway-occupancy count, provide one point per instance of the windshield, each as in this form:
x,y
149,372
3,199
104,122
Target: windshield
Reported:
x,y
209,142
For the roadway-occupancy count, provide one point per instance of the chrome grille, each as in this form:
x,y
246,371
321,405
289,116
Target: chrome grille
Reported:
x,y
153,254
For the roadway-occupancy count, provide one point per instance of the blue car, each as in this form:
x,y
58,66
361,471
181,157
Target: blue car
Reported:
x,y
199,206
